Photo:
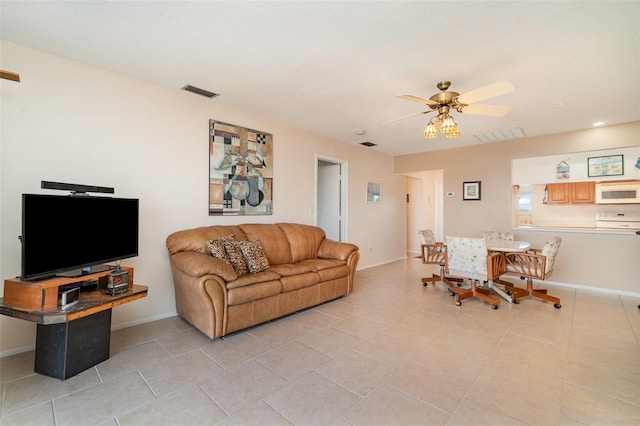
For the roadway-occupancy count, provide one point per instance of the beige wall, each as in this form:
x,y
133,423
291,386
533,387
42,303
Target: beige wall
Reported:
x,y
68,122
604,261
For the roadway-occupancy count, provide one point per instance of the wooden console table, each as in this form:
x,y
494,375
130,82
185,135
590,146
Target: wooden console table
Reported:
x,y
69,339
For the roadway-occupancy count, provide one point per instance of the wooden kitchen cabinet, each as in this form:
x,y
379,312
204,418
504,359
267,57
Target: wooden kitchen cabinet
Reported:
x,y
558,193
571,193
583,192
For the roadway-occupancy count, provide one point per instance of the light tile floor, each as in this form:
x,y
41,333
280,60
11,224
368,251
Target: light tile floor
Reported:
x,y
393,352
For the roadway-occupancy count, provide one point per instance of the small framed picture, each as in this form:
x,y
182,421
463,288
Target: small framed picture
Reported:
x,y
611,165
471,190
373,192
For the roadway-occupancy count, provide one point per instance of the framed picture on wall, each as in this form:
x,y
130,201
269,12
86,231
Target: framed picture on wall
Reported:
x,y
373,192
610,165
471,190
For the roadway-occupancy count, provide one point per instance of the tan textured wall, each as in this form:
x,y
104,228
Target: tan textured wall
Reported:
x,y
67,122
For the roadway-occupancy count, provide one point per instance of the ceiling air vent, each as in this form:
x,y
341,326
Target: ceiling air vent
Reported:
x,y
368,143
199,91
500,135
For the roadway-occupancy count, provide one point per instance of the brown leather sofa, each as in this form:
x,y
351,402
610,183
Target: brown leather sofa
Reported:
x,y
305,269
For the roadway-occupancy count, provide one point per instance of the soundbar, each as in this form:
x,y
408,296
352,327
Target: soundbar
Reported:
x,y
75,188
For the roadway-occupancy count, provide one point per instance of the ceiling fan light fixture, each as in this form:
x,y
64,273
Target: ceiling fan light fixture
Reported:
x,y
430,132
450,128
453,132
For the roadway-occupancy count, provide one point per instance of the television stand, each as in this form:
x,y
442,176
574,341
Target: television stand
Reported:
x,y
73,338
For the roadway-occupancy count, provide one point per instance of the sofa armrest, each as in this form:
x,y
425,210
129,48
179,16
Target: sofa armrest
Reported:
x,y
331,249
200,264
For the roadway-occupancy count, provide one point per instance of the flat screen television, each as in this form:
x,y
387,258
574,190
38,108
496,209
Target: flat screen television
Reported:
x,y
68,235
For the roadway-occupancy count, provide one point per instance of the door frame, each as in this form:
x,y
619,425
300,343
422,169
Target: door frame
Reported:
x,y
344,196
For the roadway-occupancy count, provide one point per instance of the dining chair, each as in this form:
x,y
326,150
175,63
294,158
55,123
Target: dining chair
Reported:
x,y
534,264
433,252
497,236
427,236
493,236
467,259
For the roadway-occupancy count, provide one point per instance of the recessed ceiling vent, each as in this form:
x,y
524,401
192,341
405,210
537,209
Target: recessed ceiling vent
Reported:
x,y
501,135
368,143
199,91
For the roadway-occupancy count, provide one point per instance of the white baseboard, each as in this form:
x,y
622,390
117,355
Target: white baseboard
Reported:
x,y
143,321
381,263
19,350
584,287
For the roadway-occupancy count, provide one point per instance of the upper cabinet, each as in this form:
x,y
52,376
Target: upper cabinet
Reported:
x,y
583,192
571,193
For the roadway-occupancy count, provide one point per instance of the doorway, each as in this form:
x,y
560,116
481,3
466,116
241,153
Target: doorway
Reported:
x,y
331,197
425,206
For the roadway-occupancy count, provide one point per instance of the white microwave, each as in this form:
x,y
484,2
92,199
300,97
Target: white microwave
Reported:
x,y
618,192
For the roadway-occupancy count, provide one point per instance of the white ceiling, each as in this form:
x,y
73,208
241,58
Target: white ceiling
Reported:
x,y
336,67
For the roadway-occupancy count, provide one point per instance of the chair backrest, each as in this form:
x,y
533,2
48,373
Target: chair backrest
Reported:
x,y
427,237
497,236
468,255
550,251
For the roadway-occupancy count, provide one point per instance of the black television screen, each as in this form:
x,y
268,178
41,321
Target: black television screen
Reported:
x,y
68,233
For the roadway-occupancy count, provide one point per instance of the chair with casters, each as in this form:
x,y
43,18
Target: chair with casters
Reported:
x,y
467,258
534,264
492,236
427,236
434,253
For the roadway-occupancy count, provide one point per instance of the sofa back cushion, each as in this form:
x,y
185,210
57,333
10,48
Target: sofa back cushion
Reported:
x,y
304,240
273,240
196,239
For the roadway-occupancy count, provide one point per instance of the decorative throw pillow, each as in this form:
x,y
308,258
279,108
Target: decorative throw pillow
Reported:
x,y
217,249
236,258
254,256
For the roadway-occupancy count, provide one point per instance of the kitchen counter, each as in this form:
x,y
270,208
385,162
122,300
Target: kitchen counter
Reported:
x,y
581,229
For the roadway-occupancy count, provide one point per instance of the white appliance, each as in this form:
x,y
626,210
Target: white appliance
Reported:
x,y
620,220
618,192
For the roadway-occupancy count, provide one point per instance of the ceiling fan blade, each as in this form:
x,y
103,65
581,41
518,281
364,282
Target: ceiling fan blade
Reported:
x,y
406,116
492,90
418,99
482,109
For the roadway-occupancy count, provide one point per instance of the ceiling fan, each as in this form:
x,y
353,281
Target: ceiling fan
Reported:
x,y
446,101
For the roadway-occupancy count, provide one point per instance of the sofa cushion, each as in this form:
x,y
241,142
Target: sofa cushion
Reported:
x,y
289,269
250,293
217,249
254,256
250,279
333,273
320,264
274,242
236,258
304,240
295,282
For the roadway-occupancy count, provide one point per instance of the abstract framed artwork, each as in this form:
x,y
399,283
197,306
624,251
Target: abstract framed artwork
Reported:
x,y
240,170
610,165
471,190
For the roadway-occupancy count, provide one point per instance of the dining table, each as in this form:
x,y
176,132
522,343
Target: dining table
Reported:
x,y
508,246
